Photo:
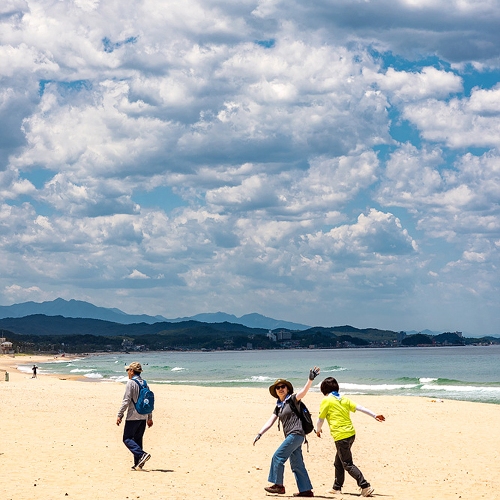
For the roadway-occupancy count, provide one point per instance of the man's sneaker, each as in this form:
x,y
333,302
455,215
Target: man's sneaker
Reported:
x,y
307,493
367,492
276,488
145,458
334,492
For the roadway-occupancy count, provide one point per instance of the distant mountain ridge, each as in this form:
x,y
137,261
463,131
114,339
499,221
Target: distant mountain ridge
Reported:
x,y
81,309
75,309
252,320
424,332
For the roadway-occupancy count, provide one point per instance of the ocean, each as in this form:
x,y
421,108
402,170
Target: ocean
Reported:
x,y
464,373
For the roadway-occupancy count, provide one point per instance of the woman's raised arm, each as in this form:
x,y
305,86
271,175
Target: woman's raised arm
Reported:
x,y
313,373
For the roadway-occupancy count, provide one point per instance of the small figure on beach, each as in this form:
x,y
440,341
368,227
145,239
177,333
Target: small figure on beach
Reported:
x,y
135,423
34,369
291,448
337,411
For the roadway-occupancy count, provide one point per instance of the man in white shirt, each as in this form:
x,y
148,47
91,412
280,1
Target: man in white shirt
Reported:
x,y
135,423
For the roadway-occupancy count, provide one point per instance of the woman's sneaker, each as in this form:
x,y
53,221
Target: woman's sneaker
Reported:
x,y
276,488
367,492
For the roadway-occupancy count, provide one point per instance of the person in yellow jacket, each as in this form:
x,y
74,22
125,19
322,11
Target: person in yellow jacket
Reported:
x,y
336,409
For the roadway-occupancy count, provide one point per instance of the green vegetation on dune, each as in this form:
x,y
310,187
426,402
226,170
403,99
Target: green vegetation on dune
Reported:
x,y
52,334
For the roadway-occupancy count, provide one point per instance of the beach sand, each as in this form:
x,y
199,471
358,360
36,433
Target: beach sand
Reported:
x,y
60,441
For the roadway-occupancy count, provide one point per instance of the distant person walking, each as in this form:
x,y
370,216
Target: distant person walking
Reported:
x,y
34,369
291,448
337,411
135,423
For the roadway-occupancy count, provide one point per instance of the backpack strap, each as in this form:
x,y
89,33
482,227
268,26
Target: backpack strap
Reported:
x,y
280,408
292,401
294,405
140,387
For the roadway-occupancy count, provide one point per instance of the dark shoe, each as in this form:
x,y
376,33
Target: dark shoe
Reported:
x,y
143,460
307,493
276,488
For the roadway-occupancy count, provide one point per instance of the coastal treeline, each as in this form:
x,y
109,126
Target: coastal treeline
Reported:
x,y
53,334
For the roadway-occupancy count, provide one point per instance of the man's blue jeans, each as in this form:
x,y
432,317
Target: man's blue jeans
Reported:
x,y
291,448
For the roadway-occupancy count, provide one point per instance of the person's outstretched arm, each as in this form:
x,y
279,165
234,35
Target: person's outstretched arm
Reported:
x,y
313,373
362,409
266,427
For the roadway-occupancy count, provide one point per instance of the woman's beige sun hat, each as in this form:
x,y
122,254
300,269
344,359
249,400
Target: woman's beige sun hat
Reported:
x,y
280,381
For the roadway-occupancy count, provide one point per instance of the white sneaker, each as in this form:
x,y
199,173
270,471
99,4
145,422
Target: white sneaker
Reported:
x,y
334,492
367,492
143,460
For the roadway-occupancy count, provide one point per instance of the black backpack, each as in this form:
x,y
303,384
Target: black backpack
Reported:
x,y
300,409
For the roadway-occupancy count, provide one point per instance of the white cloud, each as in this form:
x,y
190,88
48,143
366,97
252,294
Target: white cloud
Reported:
x,y
409,86
457,31
23,59
375,233
474,256
275,125
12,187
333,181
254,192
17,293
449,200
96,137
460,123
137,275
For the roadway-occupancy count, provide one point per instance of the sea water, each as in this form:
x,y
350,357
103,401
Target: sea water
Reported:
x,y
465,373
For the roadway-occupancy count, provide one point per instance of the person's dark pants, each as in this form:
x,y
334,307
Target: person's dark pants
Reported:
x,y
133,433
343,462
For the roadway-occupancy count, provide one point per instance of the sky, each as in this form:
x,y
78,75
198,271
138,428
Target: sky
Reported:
x,y
329,163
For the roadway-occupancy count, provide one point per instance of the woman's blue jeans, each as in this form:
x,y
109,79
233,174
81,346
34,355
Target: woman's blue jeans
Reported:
x,y
291,448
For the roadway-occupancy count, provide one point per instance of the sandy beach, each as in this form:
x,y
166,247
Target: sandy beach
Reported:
x,y
60,440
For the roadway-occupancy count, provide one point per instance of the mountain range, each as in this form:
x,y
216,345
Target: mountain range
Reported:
x,y
81,309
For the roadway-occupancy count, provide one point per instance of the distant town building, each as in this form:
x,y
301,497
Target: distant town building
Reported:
x,y
282,335
6,347
271,336
279,336
127,344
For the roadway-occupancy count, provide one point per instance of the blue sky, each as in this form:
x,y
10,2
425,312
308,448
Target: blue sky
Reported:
x,y
330,162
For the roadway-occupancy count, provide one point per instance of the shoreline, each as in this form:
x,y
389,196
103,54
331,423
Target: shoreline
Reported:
x,y
99,373
9,363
